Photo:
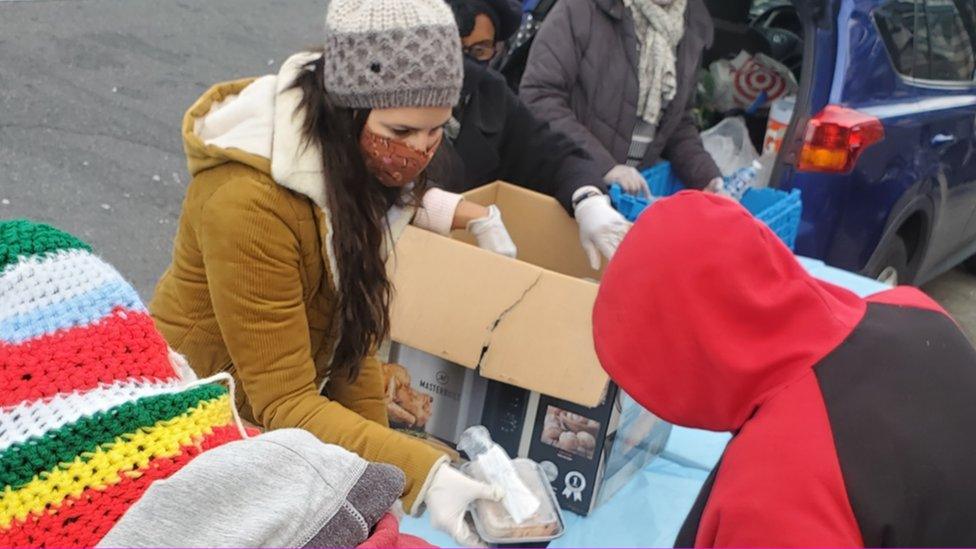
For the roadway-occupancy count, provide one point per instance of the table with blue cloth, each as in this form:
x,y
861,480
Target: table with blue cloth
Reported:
x,y
650,510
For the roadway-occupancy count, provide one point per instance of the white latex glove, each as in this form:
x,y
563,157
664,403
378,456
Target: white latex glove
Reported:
x,y
629,179
491,234
602,228
448,497
716,186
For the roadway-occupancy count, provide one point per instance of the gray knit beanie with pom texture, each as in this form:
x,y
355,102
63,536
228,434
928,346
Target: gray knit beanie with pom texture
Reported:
x,y
392,53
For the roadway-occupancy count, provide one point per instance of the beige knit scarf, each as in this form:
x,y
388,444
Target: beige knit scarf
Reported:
x,y
659,25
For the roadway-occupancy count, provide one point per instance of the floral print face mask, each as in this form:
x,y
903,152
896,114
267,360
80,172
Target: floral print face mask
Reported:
x,y
393,162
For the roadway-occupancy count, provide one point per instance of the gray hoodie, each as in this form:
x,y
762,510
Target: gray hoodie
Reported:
x,y
280,489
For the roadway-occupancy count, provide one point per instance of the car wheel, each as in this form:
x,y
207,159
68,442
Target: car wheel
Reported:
x,y
893,267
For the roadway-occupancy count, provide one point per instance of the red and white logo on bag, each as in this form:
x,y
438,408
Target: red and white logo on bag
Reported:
x,y
755,77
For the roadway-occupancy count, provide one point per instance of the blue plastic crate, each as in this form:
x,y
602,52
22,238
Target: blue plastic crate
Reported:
x,y
628,205
779,210
661,180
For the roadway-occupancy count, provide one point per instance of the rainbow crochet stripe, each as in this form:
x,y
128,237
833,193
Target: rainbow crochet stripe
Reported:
x,y
91,409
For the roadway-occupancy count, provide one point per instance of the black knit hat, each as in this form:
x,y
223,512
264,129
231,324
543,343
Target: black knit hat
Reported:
x,y
504,14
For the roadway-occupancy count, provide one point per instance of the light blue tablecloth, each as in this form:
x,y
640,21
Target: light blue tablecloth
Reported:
x,y
649,511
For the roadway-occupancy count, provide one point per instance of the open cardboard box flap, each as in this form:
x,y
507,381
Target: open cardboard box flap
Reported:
x,y
526,322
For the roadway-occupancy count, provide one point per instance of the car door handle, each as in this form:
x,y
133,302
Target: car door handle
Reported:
x,y
943,140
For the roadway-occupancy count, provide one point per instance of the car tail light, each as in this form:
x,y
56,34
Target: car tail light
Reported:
x,y
836,137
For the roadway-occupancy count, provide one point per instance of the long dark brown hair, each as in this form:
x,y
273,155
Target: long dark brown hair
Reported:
x,y
358,204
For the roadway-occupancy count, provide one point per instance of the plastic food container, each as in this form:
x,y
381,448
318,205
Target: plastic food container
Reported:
x,y
494,524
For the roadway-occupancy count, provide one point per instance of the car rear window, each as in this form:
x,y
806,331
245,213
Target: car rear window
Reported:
x,y
950,40
896,21
930,39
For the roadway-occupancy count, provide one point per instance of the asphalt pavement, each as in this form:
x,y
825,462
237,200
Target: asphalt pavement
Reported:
x,y
956,291
92,93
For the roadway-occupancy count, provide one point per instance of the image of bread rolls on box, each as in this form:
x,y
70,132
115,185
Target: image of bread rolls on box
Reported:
x,y
408,408
570,432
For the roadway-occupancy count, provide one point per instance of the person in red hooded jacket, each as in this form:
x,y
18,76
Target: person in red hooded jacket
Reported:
x,y
853,419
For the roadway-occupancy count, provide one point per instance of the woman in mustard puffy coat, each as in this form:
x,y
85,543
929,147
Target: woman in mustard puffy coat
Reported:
x,y
301,183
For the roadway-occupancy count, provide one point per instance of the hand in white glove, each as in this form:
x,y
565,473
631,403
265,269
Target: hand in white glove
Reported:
x,y
448,497
491,234
601,228
716,186
629,179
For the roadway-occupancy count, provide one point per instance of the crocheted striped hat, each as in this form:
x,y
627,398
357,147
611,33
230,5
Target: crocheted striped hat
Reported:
x,y
92,410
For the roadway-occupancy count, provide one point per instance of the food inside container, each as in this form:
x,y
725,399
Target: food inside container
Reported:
x,y
497,468
496,526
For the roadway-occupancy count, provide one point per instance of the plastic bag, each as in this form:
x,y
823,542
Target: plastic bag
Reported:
x,y
730,145
719,97
765,166
760,75
748,82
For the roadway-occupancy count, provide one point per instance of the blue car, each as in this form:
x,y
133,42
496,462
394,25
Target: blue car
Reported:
x,y
882,142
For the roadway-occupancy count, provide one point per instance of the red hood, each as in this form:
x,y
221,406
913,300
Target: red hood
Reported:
x,y
704,313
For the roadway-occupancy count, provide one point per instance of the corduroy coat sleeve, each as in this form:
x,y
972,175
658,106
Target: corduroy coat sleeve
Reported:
x,y
365,395
252,259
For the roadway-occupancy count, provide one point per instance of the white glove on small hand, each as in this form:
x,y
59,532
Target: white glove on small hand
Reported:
x,y
448,498
491,234
716,186
602,228
629,179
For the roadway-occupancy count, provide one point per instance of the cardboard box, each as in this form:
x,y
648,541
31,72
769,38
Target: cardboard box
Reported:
x,y
526,325
427,396
591,453
523,322
507,417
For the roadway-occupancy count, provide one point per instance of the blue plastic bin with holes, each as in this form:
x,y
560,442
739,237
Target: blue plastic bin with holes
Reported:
x,y
660,180
779,210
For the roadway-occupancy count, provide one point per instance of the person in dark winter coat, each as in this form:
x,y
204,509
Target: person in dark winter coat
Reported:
x,y
493,136
852,418
619,77
485,25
